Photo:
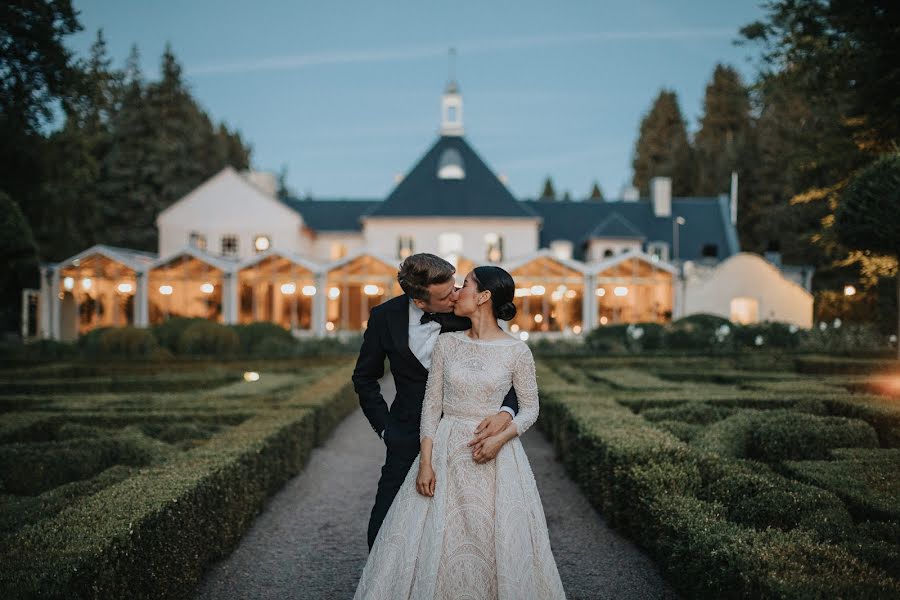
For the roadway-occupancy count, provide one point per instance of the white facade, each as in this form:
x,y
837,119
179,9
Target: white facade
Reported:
x,y
226,206
519,236
747,288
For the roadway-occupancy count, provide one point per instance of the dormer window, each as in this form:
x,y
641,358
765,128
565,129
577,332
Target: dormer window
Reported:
x,y
450,166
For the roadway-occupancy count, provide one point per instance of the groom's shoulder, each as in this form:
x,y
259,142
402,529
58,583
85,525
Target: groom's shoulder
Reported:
x,y
396,303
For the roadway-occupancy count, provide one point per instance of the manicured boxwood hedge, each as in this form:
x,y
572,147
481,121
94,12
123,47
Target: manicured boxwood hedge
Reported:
x,y
151,534
723,526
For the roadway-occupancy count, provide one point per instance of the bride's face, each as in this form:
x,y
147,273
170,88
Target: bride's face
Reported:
x,y
470,300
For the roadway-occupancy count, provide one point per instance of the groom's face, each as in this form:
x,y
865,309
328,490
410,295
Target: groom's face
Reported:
x,y
443,297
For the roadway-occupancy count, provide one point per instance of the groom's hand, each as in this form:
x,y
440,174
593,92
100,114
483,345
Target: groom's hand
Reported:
x,y
489,427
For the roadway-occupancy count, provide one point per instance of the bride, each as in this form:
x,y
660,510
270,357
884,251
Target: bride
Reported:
x,y
460,528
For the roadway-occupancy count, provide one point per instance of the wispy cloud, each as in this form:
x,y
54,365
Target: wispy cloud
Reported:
x,y
301,61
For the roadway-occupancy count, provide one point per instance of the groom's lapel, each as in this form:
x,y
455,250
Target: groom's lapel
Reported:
x,y
398,323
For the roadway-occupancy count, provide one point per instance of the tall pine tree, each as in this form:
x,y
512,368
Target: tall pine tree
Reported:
x,y
662,148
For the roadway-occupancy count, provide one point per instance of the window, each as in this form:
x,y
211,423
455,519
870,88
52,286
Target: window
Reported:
x,y
658,251
405,246
197,240
450,246
561,249
608,252
450,166
229,245
744,310
261,243
710,251
338,250
494,245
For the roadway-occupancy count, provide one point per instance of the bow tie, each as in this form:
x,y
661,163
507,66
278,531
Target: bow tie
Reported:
x,y
439,318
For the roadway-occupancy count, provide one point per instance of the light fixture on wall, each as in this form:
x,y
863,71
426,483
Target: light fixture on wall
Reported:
x,y
261,243
370,290
165,290
207,288
68,283
601,292
620,290
849,290
288,288
309,290
334,293
86,283
124,288
537,290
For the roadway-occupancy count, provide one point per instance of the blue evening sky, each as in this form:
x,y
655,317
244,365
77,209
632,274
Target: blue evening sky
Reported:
x,y
347,94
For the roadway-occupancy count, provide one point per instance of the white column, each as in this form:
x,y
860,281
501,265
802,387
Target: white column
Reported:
x,y
55,306
44,305
230,298
589,304
142,299
320,305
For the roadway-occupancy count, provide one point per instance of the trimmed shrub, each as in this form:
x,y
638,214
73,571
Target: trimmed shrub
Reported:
x,y
169,332
207,338
789,435
252,335
772,334
126,342
695,332
698,413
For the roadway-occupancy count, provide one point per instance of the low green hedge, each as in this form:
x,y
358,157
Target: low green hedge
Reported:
x,y
116,383
722,527
152,534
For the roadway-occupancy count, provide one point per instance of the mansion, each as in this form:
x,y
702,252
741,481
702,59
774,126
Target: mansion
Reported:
x,y
232,251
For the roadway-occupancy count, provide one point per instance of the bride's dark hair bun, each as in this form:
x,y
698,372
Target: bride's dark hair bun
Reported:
x,y
502,288
506,311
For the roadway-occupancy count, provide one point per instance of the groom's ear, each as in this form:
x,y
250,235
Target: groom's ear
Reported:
x,y
420,303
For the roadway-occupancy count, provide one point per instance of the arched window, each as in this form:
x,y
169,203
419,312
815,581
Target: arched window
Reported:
x,y
450,166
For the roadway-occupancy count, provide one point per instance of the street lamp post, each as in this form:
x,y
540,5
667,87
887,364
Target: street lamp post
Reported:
x,y
675,224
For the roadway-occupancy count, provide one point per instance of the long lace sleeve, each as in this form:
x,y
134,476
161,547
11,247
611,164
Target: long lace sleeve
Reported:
x,y
525,383
433,403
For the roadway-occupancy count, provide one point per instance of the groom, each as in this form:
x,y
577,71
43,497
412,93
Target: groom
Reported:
x,y
404,329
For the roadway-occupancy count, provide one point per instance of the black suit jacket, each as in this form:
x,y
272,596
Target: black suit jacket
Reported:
x,y
387,335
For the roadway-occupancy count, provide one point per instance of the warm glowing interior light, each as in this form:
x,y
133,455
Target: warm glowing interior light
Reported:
x,y
604,320
849,290
207,288
288,288
261,243
571,294
86,283
576,330
523,336
537,290
514,328
251,376
68,283
124,288
557,295
329,326
309,290
165,290
371,290
538,318
620,290
334,293
522,292
601,292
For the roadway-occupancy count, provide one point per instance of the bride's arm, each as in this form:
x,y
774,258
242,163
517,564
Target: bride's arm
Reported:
x,y
525,382
432,406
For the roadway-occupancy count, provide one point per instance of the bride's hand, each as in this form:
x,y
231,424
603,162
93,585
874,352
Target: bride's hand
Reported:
x,y
487,450
425,480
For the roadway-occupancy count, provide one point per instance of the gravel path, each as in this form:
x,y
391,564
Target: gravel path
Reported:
x,y
310,541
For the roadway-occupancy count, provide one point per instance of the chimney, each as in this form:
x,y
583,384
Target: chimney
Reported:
x,y
630,194
661,196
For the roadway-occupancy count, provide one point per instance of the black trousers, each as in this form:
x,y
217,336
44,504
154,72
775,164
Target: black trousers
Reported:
x,y
402,450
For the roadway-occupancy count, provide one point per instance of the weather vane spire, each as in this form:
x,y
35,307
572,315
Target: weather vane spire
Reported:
x,y
452,63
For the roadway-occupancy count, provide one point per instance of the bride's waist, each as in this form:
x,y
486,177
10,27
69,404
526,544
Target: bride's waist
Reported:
x,y
468,416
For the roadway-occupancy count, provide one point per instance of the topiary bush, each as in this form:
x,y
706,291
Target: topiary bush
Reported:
x,y
252,335
127,342
208,339
168,333
696,332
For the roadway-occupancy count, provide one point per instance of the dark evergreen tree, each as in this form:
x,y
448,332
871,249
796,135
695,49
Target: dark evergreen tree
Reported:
x,y
548,194
596,194
662,148
721,145
18,254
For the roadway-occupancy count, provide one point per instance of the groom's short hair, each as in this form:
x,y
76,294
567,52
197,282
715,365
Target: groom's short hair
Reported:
x,y
418,271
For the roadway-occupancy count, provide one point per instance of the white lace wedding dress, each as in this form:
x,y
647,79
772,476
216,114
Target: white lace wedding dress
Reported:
x,y
483,534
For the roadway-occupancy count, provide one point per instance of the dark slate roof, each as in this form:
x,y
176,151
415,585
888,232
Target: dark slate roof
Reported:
x,y
479,194
616,226
706,222
332,215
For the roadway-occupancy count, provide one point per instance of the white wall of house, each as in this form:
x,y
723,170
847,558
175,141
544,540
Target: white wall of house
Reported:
x,y
520,236
226,205
746,284
597,247
327,246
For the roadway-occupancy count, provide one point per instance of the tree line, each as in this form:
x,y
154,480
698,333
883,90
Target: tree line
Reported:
x,y
90,152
